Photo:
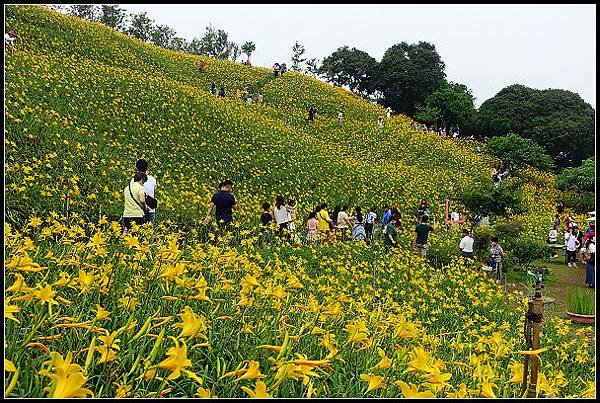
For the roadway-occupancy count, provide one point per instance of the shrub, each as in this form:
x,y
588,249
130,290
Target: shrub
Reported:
x,y
524,250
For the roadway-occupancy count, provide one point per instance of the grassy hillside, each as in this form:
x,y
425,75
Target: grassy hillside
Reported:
x,y
161,313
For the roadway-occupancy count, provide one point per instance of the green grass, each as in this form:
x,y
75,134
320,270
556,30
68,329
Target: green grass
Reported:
x,y
582,302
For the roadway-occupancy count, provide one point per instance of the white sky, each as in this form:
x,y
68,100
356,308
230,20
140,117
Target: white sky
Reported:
x,y
486,47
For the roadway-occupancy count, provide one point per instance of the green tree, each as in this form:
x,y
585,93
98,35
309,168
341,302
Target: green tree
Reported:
x,y
451,104
179,44
247,48
582,178
519,151
162,35
85,11
407,74
215,43
558,120
113,16
486,199
349,67
141,27
298,51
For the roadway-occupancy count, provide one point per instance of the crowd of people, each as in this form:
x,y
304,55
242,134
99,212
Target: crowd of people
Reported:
x,y
579,246
341,224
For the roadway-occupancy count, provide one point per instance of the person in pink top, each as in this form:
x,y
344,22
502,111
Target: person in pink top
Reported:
x,y
312,226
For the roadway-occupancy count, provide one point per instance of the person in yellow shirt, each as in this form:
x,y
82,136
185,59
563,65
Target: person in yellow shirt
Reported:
x,y
324,220
135,202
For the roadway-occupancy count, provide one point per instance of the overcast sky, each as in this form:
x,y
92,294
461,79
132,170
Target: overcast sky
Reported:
x,y
486,47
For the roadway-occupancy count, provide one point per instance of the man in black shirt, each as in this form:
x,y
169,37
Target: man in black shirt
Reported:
x,y
423,229
223,202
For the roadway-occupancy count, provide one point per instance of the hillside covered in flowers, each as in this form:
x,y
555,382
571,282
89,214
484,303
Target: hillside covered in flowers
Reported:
x,y
175,311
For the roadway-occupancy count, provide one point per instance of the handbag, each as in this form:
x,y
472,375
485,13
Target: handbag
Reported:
x,y
150,202
146,213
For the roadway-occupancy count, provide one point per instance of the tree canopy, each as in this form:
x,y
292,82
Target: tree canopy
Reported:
x,y
407,74
558,120
451,104
519,151
581,178
349,67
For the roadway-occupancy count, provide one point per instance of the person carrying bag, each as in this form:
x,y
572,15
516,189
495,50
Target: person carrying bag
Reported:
x,y
135,209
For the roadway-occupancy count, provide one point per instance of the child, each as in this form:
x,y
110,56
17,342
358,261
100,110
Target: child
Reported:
x,y
266,217
312,226
552,240
291,208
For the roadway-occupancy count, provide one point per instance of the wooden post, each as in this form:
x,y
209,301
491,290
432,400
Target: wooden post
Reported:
x,y
535,345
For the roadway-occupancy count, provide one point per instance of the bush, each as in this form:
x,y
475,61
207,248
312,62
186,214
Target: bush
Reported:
x,y
524,250
482,238
581,202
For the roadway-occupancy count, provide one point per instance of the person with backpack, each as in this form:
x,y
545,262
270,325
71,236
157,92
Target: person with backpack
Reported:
x,y
422,230
141,165
370,224
223,202
135,209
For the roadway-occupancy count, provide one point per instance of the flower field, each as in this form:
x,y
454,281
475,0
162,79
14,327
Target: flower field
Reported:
x,y
173,311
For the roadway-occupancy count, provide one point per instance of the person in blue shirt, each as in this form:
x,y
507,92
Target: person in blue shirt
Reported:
x,y
387,215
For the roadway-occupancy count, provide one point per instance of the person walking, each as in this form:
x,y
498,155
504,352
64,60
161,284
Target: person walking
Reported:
x,y
370,224
340,118
281,215
572,244
396,216
495,260
223,202
141,165
276,68
135,209
589,258
422,230
556,222
569,221
213,88
466,245
388,112
380,122
282,69
222,92
312,113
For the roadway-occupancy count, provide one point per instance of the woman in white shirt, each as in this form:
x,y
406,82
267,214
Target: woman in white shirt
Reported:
x,y
281,215
343,221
